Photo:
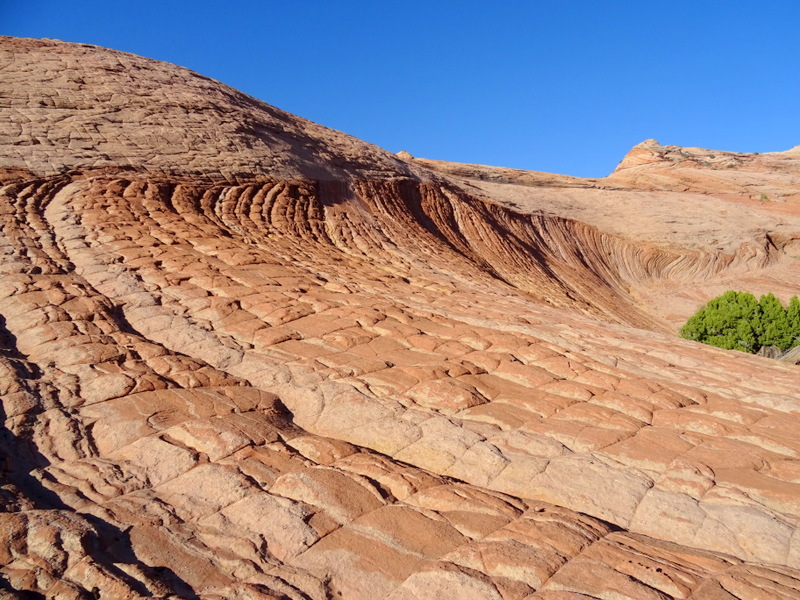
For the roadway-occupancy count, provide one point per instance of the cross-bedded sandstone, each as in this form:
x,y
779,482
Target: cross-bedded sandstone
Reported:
x,y
247,356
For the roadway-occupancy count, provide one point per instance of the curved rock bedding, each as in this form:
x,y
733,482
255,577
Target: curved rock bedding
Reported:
x,y
246,356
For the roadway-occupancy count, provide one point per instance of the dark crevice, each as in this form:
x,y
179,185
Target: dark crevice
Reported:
x,y
117,316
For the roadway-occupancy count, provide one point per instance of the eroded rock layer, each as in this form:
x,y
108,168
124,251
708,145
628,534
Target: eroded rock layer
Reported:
x,y
244,356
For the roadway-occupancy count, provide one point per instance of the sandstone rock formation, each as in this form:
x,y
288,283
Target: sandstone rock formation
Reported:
x,y
245,356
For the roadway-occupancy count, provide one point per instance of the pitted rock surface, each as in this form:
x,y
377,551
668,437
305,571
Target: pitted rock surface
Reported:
x,y
245,356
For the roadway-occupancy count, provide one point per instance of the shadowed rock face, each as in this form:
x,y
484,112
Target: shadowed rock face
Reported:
x,y
245,356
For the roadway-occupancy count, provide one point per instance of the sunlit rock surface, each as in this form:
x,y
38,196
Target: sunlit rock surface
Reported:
x,y
245,356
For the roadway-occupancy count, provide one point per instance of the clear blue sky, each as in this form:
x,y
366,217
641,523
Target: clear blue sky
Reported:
x,y
561,86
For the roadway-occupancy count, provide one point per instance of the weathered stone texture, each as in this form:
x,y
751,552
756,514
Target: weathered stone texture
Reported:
x,y
245,356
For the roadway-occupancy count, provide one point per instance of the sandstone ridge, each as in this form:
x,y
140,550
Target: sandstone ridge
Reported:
x,y
246,356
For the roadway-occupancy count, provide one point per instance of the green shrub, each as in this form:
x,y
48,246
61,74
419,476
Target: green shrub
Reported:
x,y
775,322
737,321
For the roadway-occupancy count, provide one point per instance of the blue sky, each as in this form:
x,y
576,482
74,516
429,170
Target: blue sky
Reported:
x,y
562,86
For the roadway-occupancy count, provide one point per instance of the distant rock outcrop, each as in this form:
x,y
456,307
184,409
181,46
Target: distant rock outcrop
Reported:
x,y
646,153
246,356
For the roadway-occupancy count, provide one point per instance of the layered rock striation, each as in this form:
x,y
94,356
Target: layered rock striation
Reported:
x,y
245,356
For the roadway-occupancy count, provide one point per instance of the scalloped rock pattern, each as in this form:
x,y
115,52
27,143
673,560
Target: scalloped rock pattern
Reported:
x,y
246,356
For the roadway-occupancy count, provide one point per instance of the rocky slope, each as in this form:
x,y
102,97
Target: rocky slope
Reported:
x,y
245,356
685,224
